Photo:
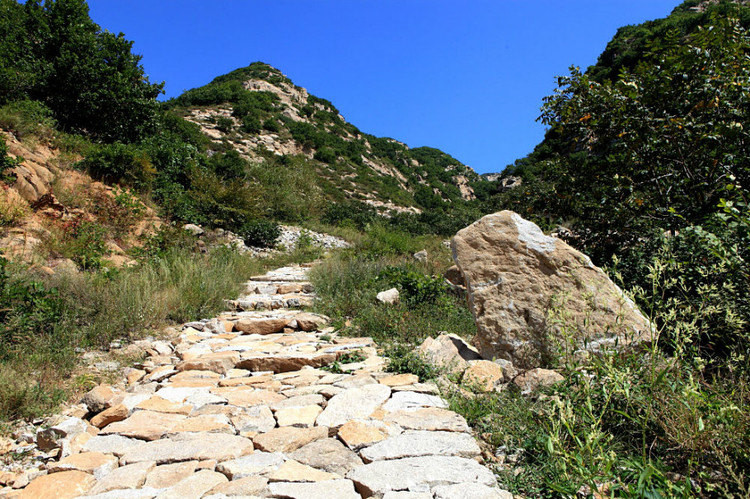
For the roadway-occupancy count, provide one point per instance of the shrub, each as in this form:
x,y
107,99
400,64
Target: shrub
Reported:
x,y
403,359
27,117
251,124
354,212
416,288
347,284
84,242
260,233
127,164
27,310
382,240
326,155
228,165
168,238
6,163
271,125
696,286
224,124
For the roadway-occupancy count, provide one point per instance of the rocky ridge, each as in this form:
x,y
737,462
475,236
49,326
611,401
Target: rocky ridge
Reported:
x,y
256,402
364,167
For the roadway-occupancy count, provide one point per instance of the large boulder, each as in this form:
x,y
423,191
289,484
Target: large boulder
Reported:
x,y
534,296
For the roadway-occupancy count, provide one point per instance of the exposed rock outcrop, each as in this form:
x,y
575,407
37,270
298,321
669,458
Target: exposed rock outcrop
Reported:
x,y
534,296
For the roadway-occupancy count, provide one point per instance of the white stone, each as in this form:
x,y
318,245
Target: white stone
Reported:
x,y
404,401
422,443
353,403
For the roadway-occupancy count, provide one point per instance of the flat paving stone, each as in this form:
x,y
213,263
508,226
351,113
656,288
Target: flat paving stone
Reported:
x,y
327,454
469,491
340,489
144,425
167,475
195,485
258,462
415,473
404,401
93,463
298,416
422,443
189,446
353,403
131,476
245,487
430,419
58,485
288,438
110,444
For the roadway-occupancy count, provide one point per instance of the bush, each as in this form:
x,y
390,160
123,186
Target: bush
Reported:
x,y
118,210
271,125
326,155
260,233
27,117
228,165
355,213
347,285
251,124
415,288
6,163
224,124
403,359
27,311
121,163
696,285
84,242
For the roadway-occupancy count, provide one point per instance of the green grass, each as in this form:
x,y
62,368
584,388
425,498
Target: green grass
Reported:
x,y
39,344
348,283
639,426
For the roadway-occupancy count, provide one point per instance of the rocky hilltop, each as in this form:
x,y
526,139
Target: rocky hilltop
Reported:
x,y
258,111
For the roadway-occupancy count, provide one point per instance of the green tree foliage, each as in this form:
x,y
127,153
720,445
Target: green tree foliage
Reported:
x,y
632,44
667,138
645,168
53,52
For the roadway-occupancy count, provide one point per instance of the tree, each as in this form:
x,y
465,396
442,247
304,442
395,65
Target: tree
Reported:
x,y
55,53
663,140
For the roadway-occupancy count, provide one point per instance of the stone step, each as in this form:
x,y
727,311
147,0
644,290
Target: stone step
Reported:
x,y
256,403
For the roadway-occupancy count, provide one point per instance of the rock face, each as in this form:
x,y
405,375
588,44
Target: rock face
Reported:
x,y
533,295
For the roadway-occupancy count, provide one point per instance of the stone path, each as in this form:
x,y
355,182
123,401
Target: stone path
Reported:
x,y
263,401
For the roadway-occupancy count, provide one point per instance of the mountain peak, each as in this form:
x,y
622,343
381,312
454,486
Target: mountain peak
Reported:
x,y
257,110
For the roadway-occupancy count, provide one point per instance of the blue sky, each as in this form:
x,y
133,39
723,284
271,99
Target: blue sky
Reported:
x,y
465,76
